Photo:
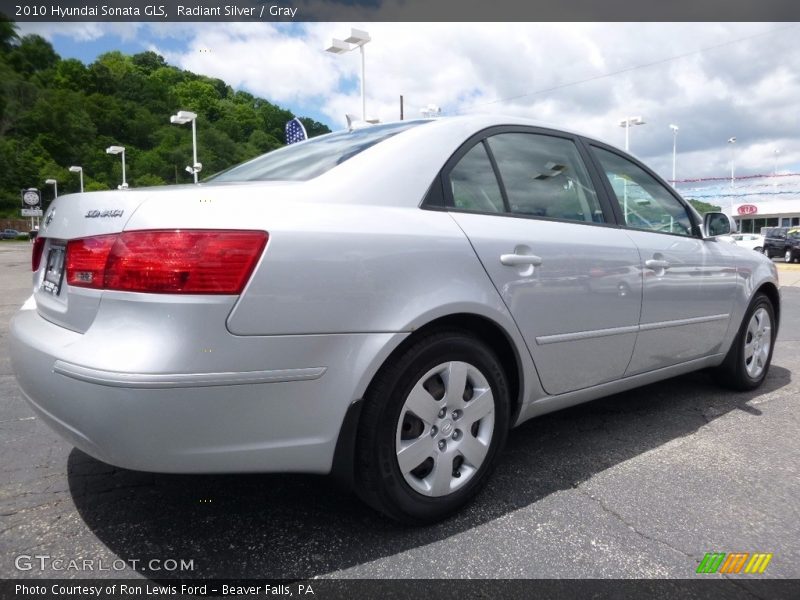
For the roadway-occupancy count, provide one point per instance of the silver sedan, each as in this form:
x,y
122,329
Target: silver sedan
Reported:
x,y
382,304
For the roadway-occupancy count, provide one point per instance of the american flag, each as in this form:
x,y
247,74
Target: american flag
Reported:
x,y
295,132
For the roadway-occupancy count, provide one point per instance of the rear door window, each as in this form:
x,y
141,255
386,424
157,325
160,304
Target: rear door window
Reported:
x,y
545,177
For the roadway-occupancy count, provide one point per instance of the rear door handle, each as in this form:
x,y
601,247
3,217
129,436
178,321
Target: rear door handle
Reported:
x,y
515,260
655,263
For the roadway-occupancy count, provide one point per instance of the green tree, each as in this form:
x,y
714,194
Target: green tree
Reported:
x,y
8,34
314,128
55,113
704,207
34,53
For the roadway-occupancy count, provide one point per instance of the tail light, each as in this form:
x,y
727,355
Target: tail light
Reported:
x,y
86,260
36,256
166,262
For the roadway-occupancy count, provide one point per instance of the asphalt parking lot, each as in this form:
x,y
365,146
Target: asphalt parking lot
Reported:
x,y
637,485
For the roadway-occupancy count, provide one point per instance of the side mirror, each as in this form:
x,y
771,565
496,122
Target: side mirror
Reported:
x,y
715,224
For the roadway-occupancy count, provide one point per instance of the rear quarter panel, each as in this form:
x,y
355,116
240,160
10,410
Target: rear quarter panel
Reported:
x,y
339,268
357,268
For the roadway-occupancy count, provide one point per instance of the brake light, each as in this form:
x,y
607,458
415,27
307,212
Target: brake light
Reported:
x,y
86,260
166,262
36,256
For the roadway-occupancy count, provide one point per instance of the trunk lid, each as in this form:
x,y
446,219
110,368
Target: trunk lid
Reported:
x,y
207,206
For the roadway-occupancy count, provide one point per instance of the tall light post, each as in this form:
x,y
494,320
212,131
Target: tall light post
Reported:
x,y
357,39
627,123
775,153
119,150
183,117
732,141
54,183
674,150
78,170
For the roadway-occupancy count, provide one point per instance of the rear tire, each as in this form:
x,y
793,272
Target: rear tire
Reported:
x,y
435,420
747,362
788,257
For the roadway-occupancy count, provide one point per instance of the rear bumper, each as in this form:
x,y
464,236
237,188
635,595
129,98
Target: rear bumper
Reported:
x,y
282,411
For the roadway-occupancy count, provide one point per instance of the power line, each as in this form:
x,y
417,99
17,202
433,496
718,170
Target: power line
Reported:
x,y
633,68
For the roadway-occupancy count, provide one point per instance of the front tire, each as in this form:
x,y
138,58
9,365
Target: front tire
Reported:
x,y
788,256
748,361
434,422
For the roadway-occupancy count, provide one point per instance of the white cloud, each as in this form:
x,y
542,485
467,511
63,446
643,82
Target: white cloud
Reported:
x,y
262,58
584,76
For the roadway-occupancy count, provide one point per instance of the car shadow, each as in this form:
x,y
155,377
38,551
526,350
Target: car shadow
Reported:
x,y
295,526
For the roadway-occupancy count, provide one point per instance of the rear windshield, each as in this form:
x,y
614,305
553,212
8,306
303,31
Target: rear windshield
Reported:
x,y
306,160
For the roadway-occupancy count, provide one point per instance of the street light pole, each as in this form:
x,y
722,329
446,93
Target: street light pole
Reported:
x,y
775,168
119,150
626,123
357,39
54,183
363,84
732,142
78,170
674,150
183,117
194,149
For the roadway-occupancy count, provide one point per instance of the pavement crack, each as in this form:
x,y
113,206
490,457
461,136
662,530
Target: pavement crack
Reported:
x,y
630,526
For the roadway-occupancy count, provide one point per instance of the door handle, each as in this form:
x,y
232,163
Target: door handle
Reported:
x,y
515,260
655,263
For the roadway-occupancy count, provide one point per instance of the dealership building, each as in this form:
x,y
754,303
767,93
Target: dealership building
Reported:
x,y
754,201
751,217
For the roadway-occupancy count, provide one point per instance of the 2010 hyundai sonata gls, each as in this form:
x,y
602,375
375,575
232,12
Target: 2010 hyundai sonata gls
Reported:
x,y
383,303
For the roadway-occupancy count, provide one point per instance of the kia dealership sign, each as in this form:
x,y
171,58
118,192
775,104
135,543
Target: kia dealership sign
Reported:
x,y
747,209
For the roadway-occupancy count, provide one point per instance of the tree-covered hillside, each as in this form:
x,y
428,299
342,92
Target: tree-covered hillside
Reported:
x,y
56,113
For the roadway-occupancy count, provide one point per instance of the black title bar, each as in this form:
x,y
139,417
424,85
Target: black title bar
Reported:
x,y
399,10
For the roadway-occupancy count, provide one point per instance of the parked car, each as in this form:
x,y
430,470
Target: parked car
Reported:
x,y
782,241
10,234
381,304
753,241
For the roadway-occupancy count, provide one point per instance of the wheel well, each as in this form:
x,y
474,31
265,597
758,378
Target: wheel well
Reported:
x,y
772,293
487,330
492,335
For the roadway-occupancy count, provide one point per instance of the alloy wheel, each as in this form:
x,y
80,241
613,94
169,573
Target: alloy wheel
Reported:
x,y
757,343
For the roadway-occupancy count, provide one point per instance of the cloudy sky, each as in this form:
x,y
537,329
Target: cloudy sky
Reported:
x,y
714,80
